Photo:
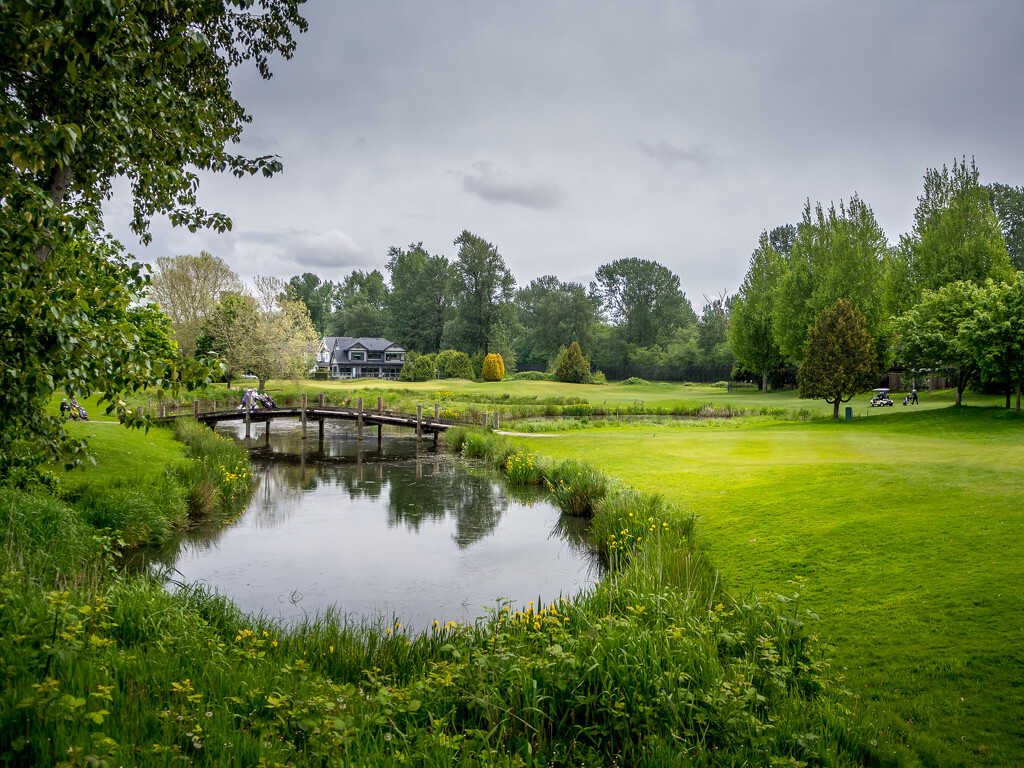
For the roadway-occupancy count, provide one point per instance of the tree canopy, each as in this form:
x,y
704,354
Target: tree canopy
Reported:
x,y
419,305
837,253
642,298
483,290
751,322
839,359
89,91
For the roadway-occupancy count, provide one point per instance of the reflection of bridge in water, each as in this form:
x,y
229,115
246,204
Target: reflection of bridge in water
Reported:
x,y
320,413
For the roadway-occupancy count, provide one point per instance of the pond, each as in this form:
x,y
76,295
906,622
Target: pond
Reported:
x,y
404,532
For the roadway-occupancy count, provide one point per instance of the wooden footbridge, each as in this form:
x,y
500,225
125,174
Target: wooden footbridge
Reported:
x,y
423,423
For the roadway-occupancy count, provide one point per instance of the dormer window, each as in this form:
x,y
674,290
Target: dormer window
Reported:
x,y
360,355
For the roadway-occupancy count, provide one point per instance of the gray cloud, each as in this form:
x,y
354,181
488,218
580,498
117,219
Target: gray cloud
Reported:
x,y
669,155
495,186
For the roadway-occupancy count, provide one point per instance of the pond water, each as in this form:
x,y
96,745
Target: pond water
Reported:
x,y
404,533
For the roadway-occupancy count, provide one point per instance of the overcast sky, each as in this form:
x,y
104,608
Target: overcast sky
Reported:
x,y
570,133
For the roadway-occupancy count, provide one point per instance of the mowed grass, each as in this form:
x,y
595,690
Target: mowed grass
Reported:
x,y
907,530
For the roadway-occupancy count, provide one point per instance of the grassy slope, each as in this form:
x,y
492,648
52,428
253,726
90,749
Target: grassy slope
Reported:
x,y
907,530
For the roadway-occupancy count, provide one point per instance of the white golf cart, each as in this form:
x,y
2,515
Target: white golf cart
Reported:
x,y
881,398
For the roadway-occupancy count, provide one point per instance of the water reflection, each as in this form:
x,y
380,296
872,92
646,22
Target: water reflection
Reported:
x,y
412,533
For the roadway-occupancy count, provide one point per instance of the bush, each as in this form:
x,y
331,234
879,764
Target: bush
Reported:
x,y
598,378
634,380
493,368
456,364
530,376
572,366
576,486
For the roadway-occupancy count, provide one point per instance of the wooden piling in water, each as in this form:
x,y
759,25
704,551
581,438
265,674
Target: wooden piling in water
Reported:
x,y
359,421
303,416
248,409
419,423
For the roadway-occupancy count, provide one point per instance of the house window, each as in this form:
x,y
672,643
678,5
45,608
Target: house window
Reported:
x,y
356,355
373,356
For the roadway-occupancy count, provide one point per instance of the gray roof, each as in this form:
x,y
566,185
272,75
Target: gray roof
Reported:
x,y
368,343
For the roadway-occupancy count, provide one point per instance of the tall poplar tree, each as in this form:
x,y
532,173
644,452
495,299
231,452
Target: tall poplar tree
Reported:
x,y
751,321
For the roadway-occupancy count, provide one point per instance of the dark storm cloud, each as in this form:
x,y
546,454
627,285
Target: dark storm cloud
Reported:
x,y
495,186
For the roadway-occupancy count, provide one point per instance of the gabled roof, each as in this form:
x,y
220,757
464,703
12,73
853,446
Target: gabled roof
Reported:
x,y
370,344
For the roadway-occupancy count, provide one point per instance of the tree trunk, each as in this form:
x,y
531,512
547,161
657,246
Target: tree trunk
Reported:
x,y
1018,397
1009,391
60,183
764,380
835,409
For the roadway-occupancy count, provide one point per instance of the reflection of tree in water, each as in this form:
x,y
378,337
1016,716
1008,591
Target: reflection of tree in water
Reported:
x,y
475,503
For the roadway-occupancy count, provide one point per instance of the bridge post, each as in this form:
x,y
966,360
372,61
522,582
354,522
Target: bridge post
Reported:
x,y
497,417
163,409
380,436
419,424
213,406
437,411
141,409
321,435
320,399
266,433
303,415
380,404
195,408
359,421
248,410
483,421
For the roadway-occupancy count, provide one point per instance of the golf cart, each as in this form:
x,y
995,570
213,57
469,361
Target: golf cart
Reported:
x,y
881,398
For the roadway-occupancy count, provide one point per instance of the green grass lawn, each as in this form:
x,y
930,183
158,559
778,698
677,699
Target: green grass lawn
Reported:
x,y
907,530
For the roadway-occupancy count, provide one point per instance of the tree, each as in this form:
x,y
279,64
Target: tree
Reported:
x,y
995,334
494,368
483,289
956,234
751,332
419,304
1008,203
187,289
360,299
572,366
836,254
839,359
317,295
139,89
88,92
269,335
73,322
551,312
713,330
642,298
782,239
929,336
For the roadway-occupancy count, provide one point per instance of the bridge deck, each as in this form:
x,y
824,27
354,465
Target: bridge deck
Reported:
x,y
322,412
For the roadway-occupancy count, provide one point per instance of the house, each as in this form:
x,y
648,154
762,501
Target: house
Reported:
x,y
345,357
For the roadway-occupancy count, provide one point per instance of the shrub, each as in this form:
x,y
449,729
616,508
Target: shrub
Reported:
x,y
634,380
572,366
493,368
598,378
530,376
456,364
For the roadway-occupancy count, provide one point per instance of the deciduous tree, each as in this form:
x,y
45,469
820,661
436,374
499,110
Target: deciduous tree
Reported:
x,y
187,289
956,234
837,253
839,359
360,302
929,336
318,296
1008,203
419,305
551,312
642,298
483,289
995,334
751,331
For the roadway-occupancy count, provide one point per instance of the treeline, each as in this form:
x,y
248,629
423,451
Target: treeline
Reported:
x,y
635,312
950,279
